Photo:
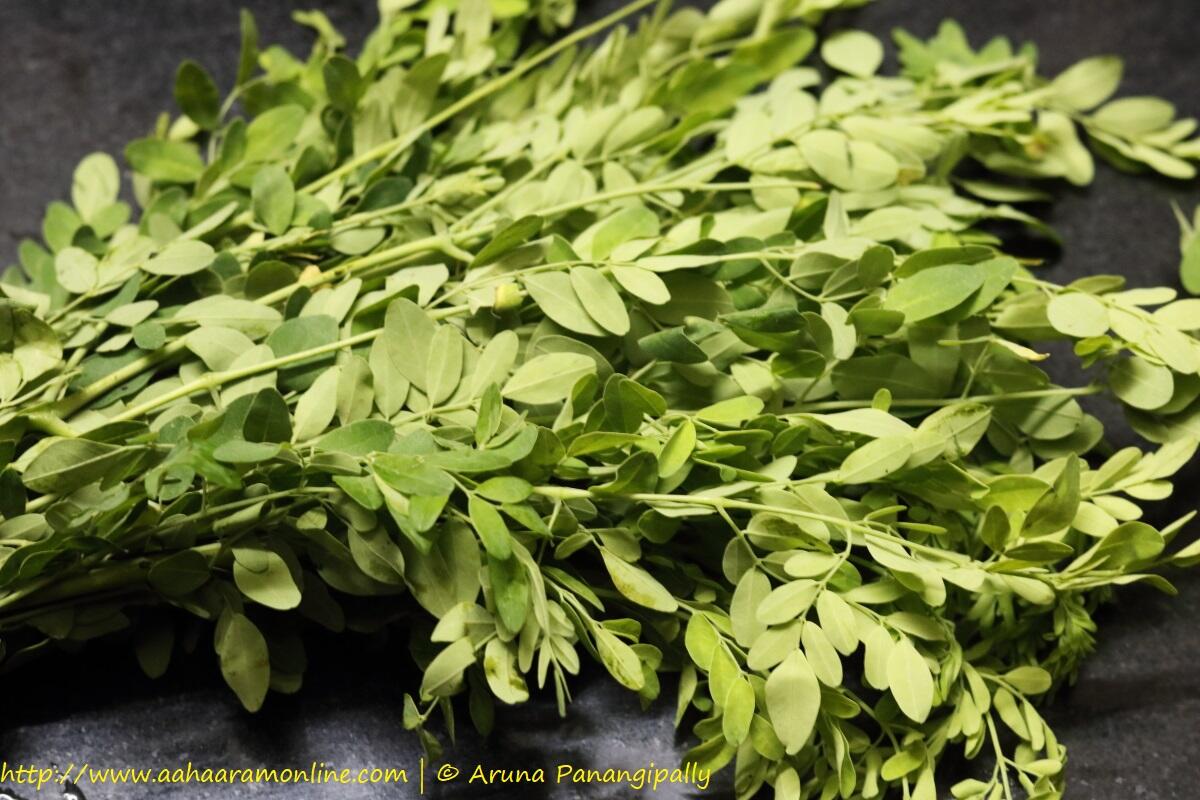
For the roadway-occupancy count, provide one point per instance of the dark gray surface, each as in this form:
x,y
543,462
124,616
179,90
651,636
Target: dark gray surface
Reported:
x,y
82,75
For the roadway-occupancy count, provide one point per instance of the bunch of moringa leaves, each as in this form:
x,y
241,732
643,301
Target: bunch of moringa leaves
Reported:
x,y
681,353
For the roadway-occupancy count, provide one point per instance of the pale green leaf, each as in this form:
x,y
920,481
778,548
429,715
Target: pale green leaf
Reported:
x,y
793,698
547,378
637,584
181,258
1141,384
875,460
857,53
910,681
601,300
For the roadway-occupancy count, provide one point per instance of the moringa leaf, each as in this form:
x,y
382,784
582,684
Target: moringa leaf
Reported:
x,y
857,53
910,681
637,584
274,198
933,291
1142,384
604,304
245,661
197,96
547,378
510,237
162,160
875,460
556,295
264,577
181,258
793,698
68,464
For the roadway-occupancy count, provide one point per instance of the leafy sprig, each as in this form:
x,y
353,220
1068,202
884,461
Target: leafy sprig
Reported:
x,y
664,352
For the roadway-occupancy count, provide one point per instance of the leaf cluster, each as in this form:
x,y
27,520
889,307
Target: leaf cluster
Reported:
x,y
664,352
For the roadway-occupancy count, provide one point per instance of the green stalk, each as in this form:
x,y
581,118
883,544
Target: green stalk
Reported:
x,y
942,402
391,150
216,379
67,406
569,493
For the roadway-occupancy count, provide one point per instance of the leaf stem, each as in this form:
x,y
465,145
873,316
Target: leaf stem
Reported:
x,y
939,402
390,150
215,379
570,492
73,403
98,578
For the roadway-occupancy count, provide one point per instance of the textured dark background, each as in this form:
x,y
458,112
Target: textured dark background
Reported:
x,y
84,75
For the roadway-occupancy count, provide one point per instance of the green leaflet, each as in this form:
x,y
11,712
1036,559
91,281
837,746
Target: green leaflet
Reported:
x,y
491,528
793,700
445,671
1078,315
355,393
218,347
677,449
732,411
197,95
252,319
822,656
342,83
875,460
162,160
1141,384
179,573
181,258
787,602
642,283
637,584
358,438
245,662
503,675
512,236
445,364
407,329
410,474
510,590
620,660
847,163
751,590
271,133
933,291
556,294
1088,83
95,185
547,378
1189,267
375,553
855,52
77,270
738,714
910,681
274,198
604,305
495,362
68,464
632,222
862,376
263,576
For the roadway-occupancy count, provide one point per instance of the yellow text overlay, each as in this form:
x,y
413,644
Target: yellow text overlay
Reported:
x,y
648,778
38,777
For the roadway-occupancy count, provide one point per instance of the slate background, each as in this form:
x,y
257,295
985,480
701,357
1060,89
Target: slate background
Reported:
x,y
82,75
